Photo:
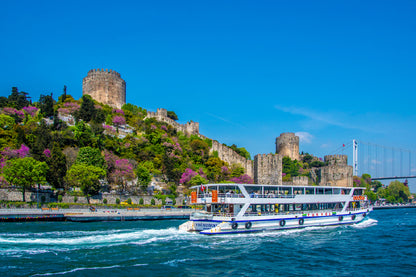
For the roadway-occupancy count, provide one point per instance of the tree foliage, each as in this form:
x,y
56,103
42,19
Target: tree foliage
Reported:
x,y
85,177
45,105
25,172
172,115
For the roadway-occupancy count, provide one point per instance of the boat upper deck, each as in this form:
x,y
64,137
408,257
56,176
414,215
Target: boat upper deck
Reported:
x,y
274,191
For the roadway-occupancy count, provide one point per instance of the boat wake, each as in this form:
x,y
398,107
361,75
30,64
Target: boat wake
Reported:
x,y
366,223
38,243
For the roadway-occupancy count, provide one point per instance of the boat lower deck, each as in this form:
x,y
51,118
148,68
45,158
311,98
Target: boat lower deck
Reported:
x,y
221,225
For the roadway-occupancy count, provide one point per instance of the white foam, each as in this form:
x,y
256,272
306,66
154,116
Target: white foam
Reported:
x,y
368,222
75,270
94,238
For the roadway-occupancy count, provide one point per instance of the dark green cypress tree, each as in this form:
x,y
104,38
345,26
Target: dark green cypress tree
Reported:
x,y
57,167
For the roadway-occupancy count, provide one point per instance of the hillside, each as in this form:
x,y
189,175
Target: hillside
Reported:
x,y
116,149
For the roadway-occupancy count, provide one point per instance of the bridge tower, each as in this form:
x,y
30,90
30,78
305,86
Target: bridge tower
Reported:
x,y
355,156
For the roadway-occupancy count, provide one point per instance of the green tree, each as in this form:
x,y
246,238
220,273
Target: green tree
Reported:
x,y
86,177
172,115
18,99
87,109
198,180
57,167
45,105
25,172
42,141
82,133
290,166
399,191
90,156
6,122
144,177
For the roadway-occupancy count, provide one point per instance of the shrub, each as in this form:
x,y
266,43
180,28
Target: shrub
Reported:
x,y
59,198
152,202
141,201
105,200
129,201
117,201
75,199
163,201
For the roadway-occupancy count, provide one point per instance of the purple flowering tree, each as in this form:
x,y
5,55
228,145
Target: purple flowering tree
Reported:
x,y
13,112
243,179
31,110
119,120
118,111
187,176
47,153
122,173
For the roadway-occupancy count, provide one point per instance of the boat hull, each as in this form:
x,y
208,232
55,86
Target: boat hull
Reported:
x,y
217,226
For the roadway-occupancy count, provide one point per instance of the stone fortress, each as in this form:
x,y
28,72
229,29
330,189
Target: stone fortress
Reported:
x,y
287,144
107,87
190,128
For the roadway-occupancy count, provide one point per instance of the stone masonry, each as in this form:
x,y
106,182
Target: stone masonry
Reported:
x,y
231,157
268,169
287,144
105,86
190,128
337,172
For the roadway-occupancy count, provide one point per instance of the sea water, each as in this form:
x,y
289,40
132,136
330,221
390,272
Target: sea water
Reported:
x,y
382,245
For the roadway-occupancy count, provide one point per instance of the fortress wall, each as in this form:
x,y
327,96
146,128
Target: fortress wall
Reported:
x,y
231,157
268,169
336,173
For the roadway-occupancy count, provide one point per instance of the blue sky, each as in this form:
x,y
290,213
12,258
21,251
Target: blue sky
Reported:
x,y
247,71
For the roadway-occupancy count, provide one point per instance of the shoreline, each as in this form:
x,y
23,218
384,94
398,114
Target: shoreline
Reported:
x,y
394,207
85,215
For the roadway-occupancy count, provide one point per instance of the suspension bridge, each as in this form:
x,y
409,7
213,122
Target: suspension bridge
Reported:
x,y
381,162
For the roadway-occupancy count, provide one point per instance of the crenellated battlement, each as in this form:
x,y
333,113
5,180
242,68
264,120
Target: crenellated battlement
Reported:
x,y
190,128
100,71
336,159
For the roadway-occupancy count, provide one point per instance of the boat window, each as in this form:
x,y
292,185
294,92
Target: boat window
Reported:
x,y
328,191
358,192
319,191
299,190
285,191
336,190
253,191
345,191
309,190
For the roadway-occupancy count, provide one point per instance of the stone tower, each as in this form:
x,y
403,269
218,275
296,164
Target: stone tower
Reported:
x,y
105,86
268,169
287,144
337,172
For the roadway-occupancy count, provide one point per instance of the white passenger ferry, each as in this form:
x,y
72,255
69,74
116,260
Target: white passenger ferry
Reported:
x,y
241,208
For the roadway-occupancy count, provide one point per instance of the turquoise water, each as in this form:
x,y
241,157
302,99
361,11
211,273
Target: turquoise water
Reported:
x,y
382,245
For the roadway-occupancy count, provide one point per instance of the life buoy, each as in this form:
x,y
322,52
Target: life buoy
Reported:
x,y
234,225
301,221
341,218
248,225
282,222
353,217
